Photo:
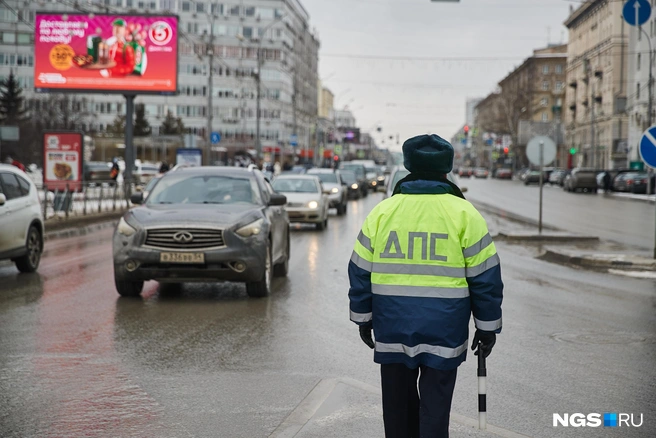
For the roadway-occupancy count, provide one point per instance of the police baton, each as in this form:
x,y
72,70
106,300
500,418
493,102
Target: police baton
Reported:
x,y
482,390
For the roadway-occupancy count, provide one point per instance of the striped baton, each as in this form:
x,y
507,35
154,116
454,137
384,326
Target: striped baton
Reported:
x,y
482,390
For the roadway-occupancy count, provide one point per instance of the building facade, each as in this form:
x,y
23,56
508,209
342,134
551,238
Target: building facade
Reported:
x,y
638,59
235,31
596,121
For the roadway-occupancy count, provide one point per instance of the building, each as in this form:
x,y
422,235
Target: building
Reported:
x,y
638,85
344,119
326,103
278,29
596,122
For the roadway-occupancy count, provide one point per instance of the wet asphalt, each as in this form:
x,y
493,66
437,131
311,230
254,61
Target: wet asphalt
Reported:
x,y
207,361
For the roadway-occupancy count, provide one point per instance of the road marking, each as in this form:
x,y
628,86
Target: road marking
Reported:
x,y
309,406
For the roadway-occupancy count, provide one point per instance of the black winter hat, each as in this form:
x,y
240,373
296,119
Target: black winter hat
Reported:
x,y
428,154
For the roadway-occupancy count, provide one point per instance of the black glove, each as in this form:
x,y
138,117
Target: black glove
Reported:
x,y
487,340
365,334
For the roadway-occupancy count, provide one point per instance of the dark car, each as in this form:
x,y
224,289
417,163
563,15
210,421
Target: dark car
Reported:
x,y
361,175
557,177
354,190
503,173
465,172
204,224
533,177
633,182
96,172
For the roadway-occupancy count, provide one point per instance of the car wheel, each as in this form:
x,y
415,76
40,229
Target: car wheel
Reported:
x,y
128,288
30,261
344,207
365,193
281,269
262,288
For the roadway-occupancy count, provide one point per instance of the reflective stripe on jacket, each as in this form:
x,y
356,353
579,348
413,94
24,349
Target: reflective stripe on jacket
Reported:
x,y
422,264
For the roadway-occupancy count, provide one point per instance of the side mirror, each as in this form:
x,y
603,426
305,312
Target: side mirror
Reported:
x,y
137,198
3,199
344,183
277,199
463,189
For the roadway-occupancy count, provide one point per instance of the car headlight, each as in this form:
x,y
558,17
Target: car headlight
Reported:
x,y
334,190
354,186
373,183
251,229
313,204
124,228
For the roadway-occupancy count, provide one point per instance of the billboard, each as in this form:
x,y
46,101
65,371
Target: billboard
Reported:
x,y
106,53
189,157
62,160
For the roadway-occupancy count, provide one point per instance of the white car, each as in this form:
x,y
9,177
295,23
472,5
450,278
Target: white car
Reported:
x,y
144,172
334,187
306,200
21,219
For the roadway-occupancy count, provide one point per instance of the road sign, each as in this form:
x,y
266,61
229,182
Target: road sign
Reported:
x,y
293,140
215,138
648,147
548,150
337,149
636,12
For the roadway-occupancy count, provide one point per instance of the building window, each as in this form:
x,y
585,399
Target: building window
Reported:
x,y
250,11
247,32
544,101
200,8
234,11
559,86
545,85
545,69
8,37
545,117
186,7
638,91
559,69
639,60
217,9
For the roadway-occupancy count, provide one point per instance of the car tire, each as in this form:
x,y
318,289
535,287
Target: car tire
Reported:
x,y
321,225
127,288
262,288
365,193
30,261
282,268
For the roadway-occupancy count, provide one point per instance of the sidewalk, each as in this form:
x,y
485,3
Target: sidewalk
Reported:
x,y
58,228
634,197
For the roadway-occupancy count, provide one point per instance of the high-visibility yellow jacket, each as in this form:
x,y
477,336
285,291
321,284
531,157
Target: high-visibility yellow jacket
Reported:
x,y
423,262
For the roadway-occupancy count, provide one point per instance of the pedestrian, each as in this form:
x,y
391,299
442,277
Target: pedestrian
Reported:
x,y
607,182
423,262
276,168
115,170
164,167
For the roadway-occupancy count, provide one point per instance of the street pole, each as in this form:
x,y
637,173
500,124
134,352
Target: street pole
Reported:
x,y
210,86
258,81
593,145
541,185
129,146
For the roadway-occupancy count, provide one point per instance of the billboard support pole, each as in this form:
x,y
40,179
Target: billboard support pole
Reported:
x,y
129,147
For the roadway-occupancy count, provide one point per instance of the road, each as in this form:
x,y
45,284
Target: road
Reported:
x,y
207,361
621,220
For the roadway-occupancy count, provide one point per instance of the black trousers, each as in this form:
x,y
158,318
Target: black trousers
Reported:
x,y
409,413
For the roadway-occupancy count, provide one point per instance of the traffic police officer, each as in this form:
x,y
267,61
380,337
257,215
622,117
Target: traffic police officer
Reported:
x,y
423,262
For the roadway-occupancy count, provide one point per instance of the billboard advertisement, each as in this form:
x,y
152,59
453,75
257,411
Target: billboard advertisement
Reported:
x,y
62,160
106,53
189,157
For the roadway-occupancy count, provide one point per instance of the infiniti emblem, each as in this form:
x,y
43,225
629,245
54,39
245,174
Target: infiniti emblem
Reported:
x,y
183,237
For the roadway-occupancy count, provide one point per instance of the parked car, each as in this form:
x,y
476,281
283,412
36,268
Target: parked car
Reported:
x,y
144,172
557,177
335,188
503,173
633,182
360,174
204,224
306,200
465,172
352,185
97,172
581,179
21,219
533,177
481,172
523,172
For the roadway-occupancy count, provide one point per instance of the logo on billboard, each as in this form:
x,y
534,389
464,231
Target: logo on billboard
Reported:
x,y
160,33
53,142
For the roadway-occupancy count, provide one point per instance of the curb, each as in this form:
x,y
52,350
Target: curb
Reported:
x,y
595,263
81,226
552,238
511,216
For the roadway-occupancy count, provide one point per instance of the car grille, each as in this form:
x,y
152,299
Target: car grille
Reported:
x,y
202,238
295,204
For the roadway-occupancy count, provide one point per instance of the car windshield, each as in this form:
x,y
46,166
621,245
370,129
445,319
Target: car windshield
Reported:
x,y
325,177
204,189
398,176
635,175
295,185
151,184
348,177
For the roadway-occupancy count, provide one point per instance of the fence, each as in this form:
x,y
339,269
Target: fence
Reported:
x,y
93,198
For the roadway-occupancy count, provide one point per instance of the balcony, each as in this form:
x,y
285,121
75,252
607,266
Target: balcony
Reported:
x,y
573,84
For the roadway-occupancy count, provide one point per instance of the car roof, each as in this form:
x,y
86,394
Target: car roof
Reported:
x,y
16,170
316,170
296,176
213,170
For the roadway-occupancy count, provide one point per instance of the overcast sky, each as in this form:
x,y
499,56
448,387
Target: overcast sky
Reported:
x,y
410,96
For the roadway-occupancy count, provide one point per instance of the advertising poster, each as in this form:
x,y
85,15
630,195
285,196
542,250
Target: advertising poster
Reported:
x,y
189,157
62,160
106,53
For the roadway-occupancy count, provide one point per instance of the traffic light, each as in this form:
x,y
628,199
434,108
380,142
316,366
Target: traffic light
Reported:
x,y
466,129
506,150
572,151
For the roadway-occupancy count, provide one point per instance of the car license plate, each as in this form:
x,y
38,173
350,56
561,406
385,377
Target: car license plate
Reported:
x,y
182,257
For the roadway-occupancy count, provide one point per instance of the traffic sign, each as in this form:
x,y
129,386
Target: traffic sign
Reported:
x,y
548,150
636,12
337,149
215,138
293,140
648,147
